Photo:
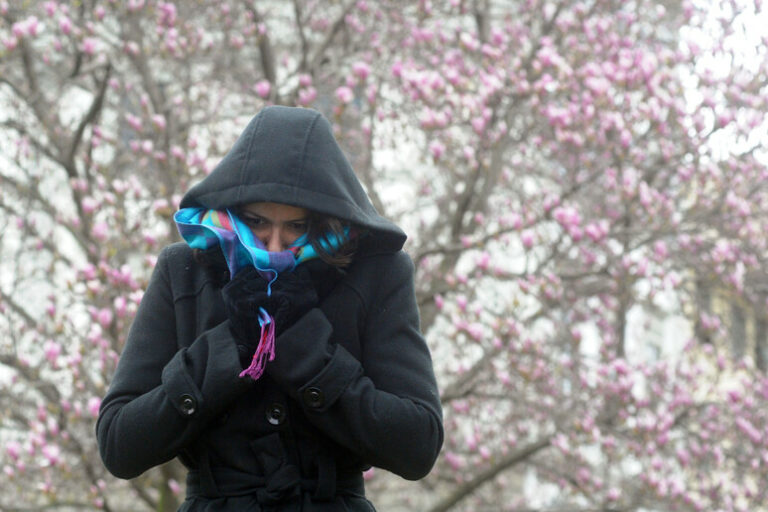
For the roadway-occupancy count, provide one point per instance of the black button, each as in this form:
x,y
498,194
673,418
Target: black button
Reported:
x,y
314,398
276,414
187,405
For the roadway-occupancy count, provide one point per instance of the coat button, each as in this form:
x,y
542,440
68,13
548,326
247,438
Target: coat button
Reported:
x,y
313,397
276,414
187,405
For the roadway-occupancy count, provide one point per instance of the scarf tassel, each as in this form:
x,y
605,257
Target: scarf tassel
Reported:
x,y
265,351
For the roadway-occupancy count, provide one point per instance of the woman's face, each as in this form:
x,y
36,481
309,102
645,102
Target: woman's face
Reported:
x,y
277,225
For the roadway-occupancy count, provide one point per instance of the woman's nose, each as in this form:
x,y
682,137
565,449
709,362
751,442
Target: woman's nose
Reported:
x,y
273,241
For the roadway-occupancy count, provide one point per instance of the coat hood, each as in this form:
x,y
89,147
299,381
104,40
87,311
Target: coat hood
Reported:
x,y
289,155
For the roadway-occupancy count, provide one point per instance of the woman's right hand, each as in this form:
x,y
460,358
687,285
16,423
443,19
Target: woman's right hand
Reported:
x,y
293,294
243,296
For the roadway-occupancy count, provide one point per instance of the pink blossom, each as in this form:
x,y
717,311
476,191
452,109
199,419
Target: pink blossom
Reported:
x,y
167,13
567,216
371,93
263,88
100,231
660,250
93,406
135,5
121,306
52,351
361,70
89,204
469,153
469,41
65,25
10,43
30,27
52,453
746,427
595,232
598,85
478,124
344,94
13,449
484,260
527,238
19,29
133,121
436,148
454,461
104,317
159,121
620,367
475,331
89,45
305,80
307,96
131,48
88,272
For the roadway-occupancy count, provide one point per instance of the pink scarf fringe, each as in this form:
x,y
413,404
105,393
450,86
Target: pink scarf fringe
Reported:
x,y
265,351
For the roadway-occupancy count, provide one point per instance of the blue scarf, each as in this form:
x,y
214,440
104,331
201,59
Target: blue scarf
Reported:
x,y
202,228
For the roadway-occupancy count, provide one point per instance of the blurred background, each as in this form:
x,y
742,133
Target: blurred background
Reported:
x,y
584,188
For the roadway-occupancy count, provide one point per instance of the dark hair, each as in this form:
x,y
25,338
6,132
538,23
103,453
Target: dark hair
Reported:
x,y
323,227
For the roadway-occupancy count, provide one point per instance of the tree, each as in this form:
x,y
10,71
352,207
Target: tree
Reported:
x,y
561,167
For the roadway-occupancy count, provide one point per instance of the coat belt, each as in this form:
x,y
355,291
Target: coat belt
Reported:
x,y
269,490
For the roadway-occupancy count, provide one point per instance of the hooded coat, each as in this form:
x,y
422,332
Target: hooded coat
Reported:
x,y
352,384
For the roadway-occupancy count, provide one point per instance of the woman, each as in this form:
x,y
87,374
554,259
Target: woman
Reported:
x,y
277,381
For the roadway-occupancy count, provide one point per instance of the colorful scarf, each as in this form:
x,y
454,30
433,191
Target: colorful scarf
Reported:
x,y
202,229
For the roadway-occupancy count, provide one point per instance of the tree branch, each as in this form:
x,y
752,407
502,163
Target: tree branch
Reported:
x,y
335,28
266,53
302,36
504,463
92,113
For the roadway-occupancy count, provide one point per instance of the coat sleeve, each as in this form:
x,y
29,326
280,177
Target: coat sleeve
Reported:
x,y
162,395
385,407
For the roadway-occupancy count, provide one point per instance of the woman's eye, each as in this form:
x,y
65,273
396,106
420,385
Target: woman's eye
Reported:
x,y
298,227
253,221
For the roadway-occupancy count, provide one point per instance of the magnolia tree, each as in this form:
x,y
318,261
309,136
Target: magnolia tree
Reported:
x,y
562,168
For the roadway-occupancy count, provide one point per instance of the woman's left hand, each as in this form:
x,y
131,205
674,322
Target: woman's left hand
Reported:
x,y
293,294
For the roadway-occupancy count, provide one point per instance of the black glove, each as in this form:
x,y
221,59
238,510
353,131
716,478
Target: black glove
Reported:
x,y
293,294
243,296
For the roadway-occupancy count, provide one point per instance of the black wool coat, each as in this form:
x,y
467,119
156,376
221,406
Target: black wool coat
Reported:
x,y
351,386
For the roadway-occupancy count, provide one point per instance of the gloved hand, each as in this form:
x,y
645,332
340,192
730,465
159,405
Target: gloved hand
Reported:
x,y
243,296
293,294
